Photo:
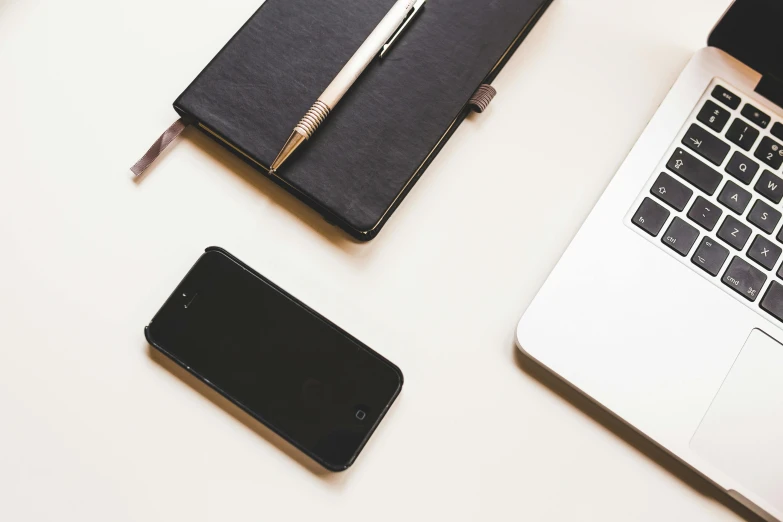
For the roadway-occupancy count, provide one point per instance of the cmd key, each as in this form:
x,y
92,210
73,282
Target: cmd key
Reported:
x,y
744,278
694,171
704,143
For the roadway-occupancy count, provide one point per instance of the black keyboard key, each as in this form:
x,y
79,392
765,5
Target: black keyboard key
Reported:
x,y
710,256
770,186
742,134
742,168
734,197
734,232
777,130
651,217
764,252
671,191
713,116
706,144
726,97
680,236
694,171
755,116
764,216
770,152
744,278
705,213
773,300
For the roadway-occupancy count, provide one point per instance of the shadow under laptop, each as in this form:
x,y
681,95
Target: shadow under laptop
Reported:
x,y
333,479
630,435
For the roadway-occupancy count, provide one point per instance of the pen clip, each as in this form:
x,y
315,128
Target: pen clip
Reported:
x,y
414,12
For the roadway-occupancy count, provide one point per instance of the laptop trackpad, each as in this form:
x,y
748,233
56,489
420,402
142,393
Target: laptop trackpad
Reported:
x,y
742,433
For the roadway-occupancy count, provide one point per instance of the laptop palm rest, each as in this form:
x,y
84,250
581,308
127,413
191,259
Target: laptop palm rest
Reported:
x,y
742,433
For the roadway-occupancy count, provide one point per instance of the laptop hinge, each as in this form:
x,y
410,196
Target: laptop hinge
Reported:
x,y
771,88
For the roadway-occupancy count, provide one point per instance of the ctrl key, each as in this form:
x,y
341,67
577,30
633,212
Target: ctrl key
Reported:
x,y
680,236
744,278
650,217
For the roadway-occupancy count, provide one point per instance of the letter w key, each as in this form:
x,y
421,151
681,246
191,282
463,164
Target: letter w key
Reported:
x,y
770,186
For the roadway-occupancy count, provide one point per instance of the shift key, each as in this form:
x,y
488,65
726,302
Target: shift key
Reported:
x,y
694,171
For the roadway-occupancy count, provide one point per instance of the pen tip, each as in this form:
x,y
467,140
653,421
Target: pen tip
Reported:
x,y
293,143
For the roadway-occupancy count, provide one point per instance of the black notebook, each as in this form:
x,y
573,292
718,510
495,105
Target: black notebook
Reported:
x,y
373,147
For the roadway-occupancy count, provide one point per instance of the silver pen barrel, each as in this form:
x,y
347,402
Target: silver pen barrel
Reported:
x,y
345,79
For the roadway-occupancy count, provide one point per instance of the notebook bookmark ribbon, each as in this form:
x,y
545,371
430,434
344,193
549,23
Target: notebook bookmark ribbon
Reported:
x,y
158,147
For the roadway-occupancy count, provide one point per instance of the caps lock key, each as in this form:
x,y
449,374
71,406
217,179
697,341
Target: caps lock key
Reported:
x,y
694,171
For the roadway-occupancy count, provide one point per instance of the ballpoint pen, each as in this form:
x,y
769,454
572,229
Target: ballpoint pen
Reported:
x,y
379,41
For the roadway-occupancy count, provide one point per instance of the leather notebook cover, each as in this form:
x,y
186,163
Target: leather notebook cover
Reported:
x,y
376,143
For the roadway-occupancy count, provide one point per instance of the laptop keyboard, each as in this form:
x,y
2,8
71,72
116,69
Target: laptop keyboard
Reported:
x,y
715,201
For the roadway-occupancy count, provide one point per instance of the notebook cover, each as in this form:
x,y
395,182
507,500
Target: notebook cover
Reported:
x,y
376,143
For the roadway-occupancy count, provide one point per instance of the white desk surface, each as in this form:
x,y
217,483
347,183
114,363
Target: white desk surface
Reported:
x,y
94,429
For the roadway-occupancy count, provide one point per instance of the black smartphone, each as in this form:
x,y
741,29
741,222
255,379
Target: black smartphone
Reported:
x,y
284,364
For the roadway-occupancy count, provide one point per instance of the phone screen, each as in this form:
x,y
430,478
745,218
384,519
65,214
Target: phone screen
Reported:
x,y
293,370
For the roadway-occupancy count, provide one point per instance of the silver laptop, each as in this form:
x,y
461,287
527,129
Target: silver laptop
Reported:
x,y
667,308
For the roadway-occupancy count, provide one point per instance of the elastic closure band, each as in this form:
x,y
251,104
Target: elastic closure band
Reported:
x,y
482,97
